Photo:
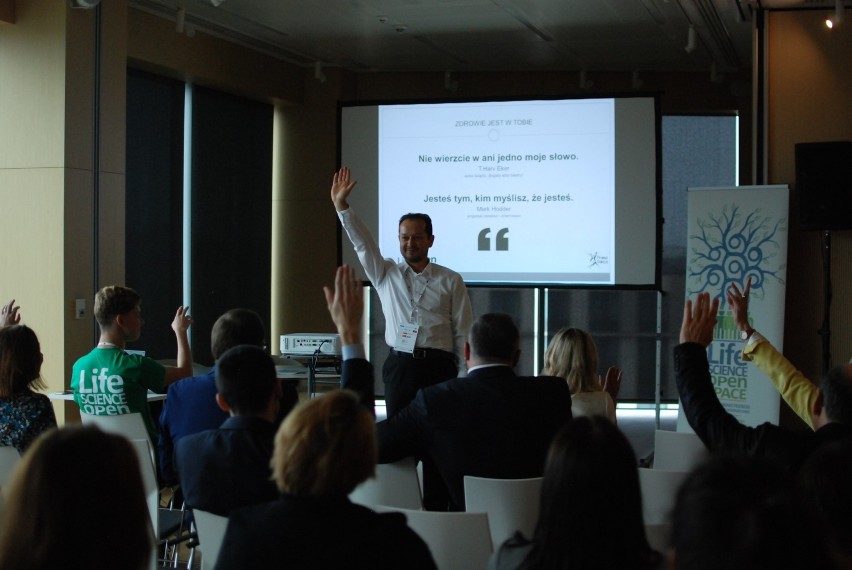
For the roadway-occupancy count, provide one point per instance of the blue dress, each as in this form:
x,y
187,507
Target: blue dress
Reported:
x,y
23,418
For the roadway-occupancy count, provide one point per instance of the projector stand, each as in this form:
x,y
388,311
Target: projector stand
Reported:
x,y
825,330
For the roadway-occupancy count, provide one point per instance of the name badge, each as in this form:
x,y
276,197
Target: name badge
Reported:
x,y
407,336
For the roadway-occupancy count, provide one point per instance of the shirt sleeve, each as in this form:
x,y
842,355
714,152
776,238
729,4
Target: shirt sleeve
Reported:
x,y
717,428
799,392
461,320
375,267
153,375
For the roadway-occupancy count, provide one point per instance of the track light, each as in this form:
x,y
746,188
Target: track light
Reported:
x,y
450,84
84,4
318,74
637,81
180,21
837,19
690,39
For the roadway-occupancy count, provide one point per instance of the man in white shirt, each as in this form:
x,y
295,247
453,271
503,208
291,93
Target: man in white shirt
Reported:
x,y
426,307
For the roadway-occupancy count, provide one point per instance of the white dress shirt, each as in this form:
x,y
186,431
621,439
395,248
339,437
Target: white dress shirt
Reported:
x,y
435,300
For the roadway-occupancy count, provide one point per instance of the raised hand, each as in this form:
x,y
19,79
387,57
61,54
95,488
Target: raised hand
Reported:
x,y
346,304
341,187
738,302
612,382
9,314
182,320
699,320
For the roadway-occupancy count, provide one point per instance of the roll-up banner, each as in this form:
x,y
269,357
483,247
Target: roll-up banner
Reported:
x,y
733,234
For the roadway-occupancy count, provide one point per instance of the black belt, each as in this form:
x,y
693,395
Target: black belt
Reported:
x,y
420,353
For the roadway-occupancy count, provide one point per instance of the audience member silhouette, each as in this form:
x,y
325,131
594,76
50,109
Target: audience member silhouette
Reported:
x,y
24,413
572,355
323,450
76,501
743,513
591,506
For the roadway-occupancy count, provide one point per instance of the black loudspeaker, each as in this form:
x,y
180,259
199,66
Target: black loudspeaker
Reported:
x,y
824,185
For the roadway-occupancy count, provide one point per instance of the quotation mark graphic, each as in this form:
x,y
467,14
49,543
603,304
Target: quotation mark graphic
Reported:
x,y
485,241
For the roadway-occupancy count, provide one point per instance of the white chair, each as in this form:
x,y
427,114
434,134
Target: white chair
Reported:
x,y
168,524
9,459
395,485
658,536
131,426
659,488
458,541
678,450
211,532
511,504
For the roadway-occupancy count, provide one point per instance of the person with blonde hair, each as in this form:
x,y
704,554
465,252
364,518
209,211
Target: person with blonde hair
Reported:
x,y
24,413
572,355
76,500
323,450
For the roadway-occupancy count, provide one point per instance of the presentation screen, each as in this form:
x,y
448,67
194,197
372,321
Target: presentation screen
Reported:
x,y
533,192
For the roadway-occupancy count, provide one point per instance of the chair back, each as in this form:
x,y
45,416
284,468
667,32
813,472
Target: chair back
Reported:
x,y
659,488
149,478
658,535
511,504
131,426
678,450
395,485
9,459
211,532
458,541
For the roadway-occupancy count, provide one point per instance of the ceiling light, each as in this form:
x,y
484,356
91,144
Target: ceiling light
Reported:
x,y
180,20
450,84
318,74
637,81
690,39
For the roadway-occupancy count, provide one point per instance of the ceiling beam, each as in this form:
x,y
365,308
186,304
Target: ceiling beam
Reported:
x,y
7,11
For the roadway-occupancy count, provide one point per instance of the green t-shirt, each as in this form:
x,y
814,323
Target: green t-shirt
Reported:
x,y
110,382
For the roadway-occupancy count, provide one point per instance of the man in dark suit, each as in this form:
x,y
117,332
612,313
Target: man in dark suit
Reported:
x,y
228,467
492,423
719,430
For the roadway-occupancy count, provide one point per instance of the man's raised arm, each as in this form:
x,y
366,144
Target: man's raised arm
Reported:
x,y
180,325
346,306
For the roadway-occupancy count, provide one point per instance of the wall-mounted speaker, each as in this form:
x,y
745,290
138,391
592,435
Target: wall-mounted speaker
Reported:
x,y
824,185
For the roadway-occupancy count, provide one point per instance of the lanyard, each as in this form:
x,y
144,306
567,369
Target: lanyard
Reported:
x,y
414,298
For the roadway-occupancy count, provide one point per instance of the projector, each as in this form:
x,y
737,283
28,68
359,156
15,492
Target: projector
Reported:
x,y
310,343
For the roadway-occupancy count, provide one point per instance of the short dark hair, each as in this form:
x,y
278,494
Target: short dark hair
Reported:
x,y
424,217
837,394
237,326
245,378
112,301
737,511
494,336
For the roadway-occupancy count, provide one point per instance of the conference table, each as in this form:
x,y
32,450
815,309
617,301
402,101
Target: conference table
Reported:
x,y
68,395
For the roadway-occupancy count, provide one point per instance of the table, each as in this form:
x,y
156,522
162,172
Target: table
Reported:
x,y
68,395
322,369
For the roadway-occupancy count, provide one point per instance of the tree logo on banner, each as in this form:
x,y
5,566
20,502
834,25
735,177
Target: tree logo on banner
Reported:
x,y
731,247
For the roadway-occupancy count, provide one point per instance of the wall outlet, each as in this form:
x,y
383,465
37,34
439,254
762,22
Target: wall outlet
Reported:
x,y
79,308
